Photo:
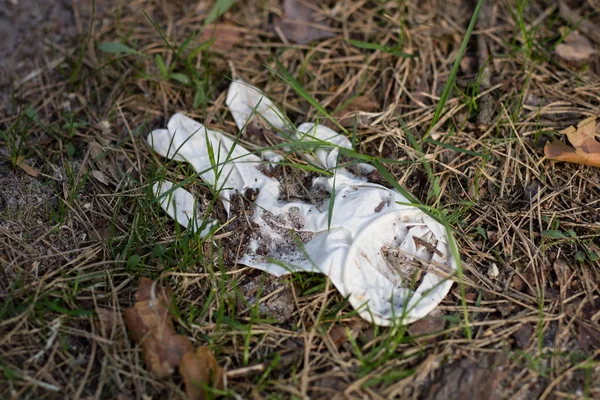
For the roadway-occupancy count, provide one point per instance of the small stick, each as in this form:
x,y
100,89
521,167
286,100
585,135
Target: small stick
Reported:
x,y
284,361
240,372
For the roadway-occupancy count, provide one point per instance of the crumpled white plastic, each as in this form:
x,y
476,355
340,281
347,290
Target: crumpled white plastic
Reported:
x,y
388,257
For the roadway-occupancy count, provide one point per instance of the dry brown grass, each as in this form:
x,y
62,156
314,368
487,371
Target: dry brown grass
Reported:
x,y
73,248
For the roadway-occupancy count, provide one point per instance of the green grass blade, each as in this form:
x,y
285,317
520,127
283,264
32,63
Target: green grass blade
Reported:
x,y
220,7
298,88
452,78
116,48
395,51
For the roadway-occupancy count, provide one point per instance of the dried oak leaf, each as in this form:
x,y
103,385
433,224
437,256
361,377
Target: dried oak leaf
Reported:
x,y
585,150
150,324
576,48
200,370
301,23
226,36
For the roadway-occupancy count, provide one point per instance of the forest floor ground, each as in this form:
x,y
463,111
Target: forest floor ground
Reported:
x,y
79,225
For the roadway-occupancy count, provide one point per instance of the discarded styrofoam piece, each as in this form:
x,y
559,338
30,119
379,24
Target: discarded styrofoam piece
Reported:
x,y
247,102
181,205
364,215
358,207
271,157
244,101
333,245
186,139
365,169
327,153
380,290
326,240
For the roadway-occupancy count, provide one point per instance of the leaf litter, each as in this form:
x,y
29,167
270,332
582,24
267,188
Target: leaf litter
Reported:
x,y
586,148
576,48
362,108
302,23
150,323
573,207
28,169
225,36
200,370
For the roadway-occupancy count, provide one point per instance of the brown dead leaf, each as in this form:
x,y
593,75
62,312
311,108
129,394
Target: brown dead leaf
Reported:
x,y
199,370
584,136
427,326
28,169
106,170
226,36
573,16
517,283
523,335
100,177
470,295
338,335
356,109
362,103
468,65
301,23
505,308
108,321
576,48
150,323
586,148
